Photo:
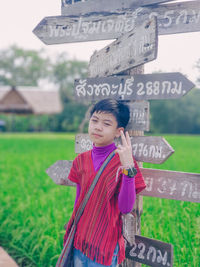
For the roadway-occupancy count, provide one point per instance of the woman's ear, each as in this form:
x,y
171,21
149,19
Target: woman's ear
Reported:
x,y
118,131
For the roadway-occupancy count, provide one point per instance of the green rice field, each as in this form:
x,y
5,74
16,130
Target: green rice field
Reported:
x,y
34,210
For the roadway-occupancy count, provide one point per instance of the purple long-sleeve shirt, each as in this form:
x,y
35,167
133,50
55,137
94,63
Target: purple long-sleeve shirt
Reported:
x,y
127,194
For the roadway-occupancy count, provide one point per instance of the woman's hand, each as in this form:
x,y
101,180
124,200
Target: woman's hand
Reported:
x,y
125,150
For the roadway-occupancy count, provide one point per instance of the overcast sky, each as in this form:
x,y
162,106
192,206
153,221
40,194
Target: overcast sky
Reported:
x,y
18,18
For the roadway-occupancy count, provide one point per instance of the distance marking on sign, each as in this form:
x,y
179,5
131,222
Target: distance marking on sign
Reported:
x,y
150,252
172,185
154,149
137,87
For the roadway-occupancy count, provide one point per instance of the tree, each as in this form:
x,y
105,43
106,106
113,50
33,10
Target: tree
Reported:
x,y
20,67
64,72
177,115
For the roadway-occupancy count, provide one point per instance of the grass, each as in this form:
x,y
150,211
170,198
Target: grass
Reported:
x,y
34,210
171,221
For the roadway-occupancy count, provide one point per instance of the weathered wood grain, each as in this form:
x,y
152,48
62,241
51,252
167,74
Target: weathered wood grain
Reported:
x,y
70,29
154,149
139,116
172,185
137,87
172,18
130,227
59,172
150,252
175,18
79,8
130,50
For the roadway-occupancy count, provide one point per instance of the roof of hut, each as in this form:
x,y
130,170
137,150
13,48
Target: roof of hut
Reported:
x,y
29,100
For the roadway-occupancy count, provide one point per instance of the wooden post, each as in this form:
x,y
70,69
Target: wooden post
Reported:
x,y
132,221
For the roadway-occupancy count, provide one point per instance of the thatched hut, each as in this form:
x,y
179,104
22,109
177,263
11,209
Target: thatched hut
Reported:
x,y
29,100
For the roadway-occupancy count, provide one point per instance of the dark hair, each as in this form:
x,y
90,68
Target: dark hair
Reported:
x,y
115,107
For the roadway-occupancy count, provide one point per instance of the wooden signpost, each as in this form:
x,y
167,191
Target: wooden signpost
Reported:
x,y
172,18
153,149
70,29
137,87
84,7
131,49
133,22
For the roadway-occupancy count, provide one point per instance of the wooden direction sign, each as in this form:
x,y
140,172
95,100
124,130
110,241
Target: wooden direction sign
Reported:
x,y
137,87
59,172
160,183
139,116
150,252
70,29
172,185
85,7
130,50
154,149
172,18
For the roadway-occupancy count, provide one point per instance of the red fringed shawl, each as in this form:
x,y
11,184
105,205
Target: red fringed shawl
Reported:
x,y
100,226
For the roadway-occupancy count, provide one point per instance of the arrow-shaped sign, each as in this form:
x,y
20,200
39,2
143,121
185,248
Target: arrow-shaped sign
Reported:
x,y
154,149
100,6
150,252
172,18
160,183
137,87
59,172
172,185
130,50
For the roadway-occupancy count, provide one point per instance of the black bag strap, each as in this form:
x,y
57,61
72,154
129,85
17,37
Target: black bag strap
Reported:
x,y
87,196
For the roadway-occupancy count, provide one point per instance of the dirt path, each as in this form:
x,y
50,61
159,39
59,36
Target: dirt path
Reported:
x,y
6,260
